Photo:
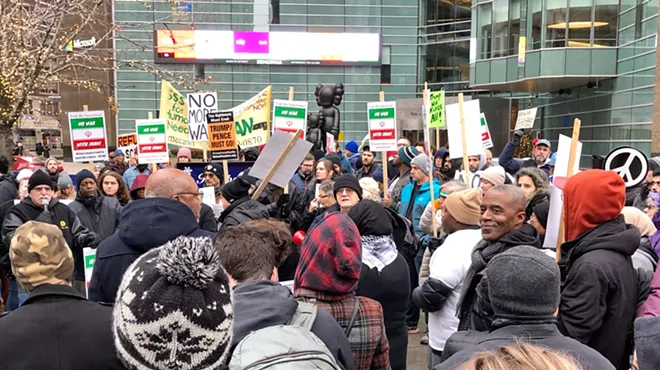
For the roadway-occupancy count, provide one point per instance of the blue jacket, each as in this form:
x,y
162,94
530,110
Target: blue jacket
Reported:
x,y
301,182
419,204
345,163
143,225
353,159
131,173
512,165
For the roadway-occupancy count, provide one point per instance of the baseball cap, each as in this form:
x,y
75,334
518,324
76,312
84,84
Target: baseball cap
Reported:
x,y
544,142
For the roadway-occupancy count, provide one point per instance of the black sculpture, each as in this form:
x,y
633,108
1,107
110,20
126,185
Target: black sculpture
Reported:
x,y
314,130
328,98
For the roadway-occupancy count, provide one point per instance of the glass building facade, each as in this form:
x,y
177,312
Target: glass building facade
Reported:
x,y
396,21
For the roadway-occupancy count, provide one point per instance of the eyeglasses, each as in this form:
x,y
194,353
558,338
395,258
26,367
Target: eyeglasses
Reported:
x,y
199,194
323,196
208,174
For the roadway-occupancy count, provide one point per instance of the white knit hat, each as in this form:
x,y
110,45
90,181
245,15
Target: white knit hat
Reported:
x,y
494,175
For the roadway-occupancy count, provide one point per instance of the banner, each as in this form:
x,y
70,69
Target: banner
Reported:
x,y
174,110
289,116
252,119
127,144
88,141
382,126
152,145
437,109
199,105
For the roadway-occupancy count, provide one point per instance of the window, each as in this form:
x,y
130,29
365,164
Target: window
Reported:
x,y
555,36
514,11
485,30
605,22
500,28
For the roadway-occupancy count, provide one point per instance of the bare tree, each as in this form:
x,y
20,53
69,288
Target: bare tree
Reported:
x,y
37,51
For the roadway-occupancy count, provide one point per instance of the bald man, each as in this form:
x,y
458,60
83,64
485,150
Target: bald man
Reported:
x,y
171,209
502,228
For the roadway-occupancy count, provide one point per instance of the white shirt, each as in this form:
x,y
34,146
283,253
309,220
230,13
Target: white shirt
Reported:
x,y
449,264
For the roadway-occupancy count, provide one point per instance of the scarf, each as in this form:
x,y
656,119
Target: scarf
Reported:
x,y
378,251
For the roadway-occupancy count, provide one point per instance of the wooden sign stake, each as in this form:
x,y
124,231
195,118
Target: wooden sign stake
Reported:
x,y
278,163
427,101
466,165
571,165
286,188
384,154
90,164
154,166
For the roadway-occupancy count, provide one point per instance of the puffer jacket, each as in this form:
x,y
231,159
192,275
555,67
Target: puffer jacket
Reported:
x,y
242,210
426,222
434,243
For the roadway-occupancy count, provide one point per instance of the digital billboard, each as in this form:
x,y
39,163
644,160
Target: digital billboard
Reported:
x,y
267,48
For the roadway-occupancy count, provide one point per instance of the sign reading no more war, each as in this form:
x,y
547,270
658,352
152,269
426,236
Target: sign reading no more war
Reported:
x,y
88,139
382,126
222,136
199,105
152,141
290,116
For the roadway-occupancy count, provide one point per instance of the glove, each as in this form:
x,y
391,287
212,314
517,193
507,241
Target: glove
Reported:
x,y
46,217
90,240
519,133
283,200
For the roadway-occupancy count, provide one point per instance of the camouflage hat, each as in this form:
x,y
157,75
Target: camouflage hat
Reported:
x,y
39,255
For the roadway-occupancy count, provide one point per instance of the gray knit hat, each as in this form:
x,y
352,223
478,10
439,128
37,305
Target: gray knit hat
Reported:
x,y
523,282
174,309
421,161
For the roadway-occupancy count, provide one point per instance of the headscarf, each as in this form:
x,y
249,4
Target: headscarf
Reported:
x,y
637,218
372,221
330,258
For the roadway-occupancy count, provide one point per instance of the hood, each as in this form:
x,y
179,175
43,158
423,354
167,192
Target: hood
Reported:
x,y
9,178
591,198
140,182
148,223
426,186
639,219
259,304
371,219
614,235
330,256
526,235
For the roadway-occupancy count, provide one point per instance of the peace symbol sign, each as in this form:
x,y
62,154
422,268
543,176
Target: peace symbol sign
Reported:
x,y
631,164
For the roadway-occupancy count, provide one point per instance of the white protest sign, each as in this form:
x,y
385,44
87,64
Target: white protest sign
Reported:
x,y
199,105
209,195
290,116
382,126
88,141
526,119
152,141
127,144
556,198
472,117
330,143
486,139
475,178
273,151
89,256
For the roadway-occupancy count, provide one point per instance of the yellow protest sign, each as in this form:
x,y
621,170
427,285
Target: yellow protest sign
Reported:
x,y
437,111
252,119
174,109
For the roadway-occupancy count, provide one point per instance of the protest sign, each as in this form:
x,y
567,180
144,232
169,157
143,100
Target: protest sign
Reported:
x,y
526,118
330,143
209,195
199,105
222,136
280,159
472,118
253,119
88,140
486,139
556,198
174,110
630,163
127,144
89,256
475,178
437,109
382,126
196,170
290,116
152,141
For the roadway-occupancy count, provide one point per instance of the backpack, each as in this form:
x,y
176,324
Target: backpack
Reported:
x,y
407,242
292,346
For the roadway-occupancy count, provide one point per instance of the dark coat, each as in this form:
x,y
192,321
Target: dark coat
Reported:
x,y
143,225
462,345
63,217
362,172
599,291
242,210
8,188
259,304
513,165
391,288
56,328
207,219
99,214
321,214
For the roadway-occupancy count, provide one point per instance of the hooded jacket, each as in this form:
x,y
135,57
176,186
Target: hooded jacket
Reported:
x,y
76,235
599,291
422,198
143,225
8,188
390,286
242,210
260,304
327,273
99,214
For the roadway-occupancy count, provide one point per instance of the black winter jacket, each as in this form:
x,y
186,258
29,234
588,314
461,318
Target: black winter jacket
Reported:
x,y
462,345
242,210
99,214
61,329
599,291
207,219
75,234
8,188
143,225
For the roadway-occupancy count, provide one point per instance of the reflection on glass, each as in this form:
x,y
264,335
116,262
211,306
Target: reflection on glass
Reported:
x,y
485,30
579,26
514,11
500,28
555,36
605,25
535,28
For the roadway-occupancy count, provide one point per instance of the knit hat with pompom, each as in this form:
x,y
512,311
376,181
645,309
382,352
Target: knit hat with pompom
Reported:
x,y
174,308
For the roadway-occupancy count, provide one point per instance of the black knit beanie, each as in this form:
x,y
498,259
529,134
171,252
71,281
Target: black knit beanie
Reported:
x,y
347,181
523,283
39,178
236,189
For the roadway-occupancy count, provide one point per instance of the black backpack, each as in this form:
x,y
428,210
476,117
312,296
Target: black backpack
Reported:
x,y
407,242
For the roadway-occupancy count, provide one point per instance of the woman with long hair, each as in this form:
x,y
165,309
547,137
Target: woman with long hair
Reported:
x,y
111,184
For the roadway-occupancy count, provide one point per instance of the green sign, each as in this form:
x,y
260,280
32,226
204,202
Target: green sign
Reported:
x,y
437,109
